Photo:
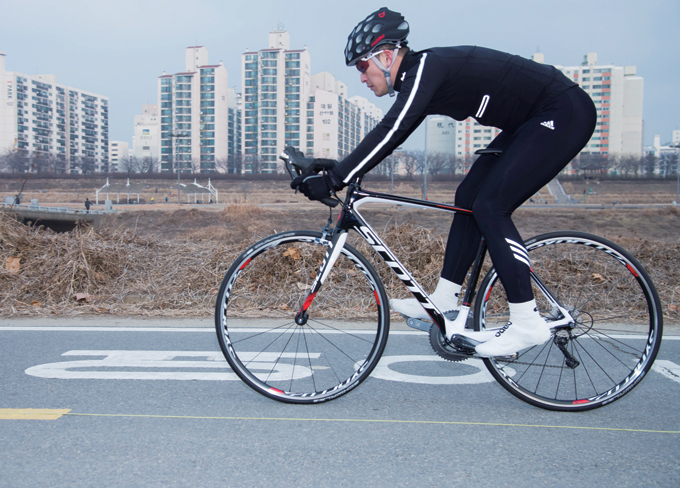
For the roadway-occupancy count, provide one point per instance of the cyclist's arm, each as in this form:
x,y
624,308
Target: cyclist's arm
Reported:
x,y
417,89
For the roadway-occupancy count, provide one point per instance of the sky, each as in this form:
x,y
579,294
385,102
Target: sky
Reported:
x,y
120,48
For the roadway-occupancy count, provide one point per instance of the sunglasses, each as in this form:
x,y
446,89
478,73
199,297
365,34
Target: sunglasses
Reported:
x,y
362,64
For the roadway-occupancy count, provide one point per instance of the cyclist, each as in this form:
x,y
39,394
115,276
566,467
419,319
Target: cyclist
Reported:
x,y
545,118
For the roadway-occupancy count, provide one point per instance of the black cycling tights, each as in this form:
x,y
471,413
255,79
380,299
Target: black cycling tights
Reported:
x,y
496,186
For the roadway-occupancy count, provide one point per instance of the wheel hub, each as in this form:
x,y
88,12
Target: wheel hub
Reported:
x,y
301,317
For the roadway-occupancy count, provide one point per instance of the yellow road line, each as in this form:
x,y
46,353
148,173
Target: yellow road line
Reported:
x,y
378,421
32,413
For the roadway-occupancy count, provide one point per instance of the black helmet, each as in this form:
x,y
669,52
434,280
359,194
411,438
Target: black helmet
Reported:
x,y
381,27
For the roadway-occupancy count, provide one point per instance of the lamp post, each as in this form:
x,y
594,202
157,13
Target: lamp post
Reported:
x,y
677,172
176,134
425,163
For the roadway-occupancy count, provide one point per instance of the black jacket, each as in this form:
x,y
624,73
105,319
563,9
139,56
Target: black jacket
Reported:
x,y
497,89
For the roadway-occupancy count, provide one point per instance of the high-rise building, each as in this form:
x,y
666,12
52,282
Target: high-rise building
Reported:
x,y
458,139
146,142
618,95
617,92
234,158
194,111
119,152
276,84
336,124
371,114
675,138
40,115
471,136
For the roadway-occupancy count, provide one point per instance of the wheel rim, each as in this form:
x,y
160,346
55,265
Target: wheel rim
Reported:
x,y
334,348
615,336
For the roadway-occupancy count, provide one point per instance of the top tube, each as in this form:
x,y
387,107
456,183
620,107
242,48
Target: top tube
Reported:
x,y
357,197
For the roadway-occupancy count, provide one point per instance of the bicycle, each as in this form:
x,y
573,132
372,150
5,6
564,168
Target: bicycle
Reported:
x,y
303,317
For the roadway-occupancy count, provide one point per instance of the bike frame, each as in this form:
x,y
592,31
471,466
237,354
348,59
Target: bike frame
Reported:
x,y
351,219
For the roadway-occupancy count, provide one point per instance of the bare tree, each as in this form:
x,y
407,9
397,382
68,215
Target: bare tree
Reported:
x,y
649,163
391,165
419,156
408,161
253,163
451,163
222,164
594,163
42,162
15,161
436,162
147,164
629,163
671,162
87,165
127,165
236,165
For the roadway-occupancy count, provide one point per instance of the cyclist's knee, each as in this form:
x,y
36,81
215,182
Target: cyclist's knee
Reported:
x,y
488,214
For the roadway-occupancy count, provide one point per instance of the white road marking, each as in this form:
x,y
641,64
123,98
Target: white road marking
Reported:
x,y
113,364
164,359
384,372
667,368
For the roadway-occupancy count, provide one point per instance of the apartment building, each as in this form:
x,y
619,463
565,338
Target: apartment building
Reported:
x,y
119,153
276,85
68,125
336,124
234,135
618,95
146,141
194,113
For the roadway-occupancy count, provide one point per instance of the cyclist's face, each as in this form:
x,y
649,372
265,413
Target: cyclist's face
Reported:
x,y
374,77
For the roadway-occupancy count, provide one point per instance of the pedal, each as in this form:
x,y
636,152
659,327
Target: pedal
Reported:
x,y
464,344
425,325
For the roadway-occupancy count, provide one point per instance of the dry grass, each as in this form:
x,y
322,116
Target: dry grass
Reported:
x,y
120,272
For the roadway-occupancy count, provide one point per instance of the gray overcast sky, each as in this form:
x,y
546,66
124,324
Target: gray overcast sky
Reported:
x,y
119,48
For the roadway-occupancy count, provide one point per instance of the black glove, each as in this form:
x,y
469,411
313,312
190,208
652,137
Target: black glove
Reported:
x,y
315,186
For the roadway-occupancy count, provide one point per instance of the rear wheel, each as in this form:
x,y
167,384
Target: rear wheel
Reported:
x,y
336,347
613,340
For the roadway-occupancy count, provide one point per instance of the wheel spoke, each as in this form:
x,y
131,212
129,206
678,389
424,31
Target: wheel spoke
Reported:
x,y
612,308
313,360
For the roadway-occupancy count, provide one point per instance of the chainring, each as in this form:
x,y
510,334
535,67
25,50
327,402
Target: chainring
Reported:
x,y
444,348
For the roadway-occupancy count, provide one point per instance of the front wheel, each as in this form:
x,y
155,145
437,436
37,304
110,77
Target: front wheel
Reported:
x,y
338,343
613,339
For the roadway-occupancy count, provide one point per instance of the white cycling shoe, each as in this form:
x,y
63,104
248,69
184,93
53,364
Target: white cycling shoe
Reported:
x,y
445,297
525,329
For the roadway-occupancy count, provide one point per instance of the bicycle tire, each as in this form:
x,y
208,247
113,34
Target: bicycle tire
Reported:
x,y
341,342
616,335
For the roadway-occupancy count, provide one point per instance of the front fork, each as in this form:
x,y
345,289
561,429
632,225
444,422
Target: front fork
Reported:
x,y
336,245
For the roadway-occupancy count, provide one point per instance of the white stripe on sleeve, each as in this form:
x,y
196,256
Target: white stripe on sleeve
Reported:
x,y
396,124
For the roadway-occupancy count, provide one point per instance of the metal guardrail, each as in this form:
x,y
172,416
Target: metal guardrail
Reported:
x,y
57,210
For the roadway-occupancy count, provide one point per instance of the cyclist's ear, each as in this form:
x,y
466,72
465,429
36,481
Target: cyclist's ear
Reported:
x,y
388,59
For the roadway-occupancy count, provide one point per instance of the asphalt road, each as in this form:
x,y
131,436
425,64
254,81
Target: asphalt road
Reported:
x,y
138,404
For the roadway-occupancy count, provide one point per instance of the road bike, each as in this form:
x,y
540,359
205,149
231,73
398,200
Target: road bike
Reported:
x,y
303,316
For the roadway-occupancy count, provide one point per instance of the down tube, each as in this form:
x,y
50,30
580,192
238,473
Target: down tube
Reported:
x,y
365,230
